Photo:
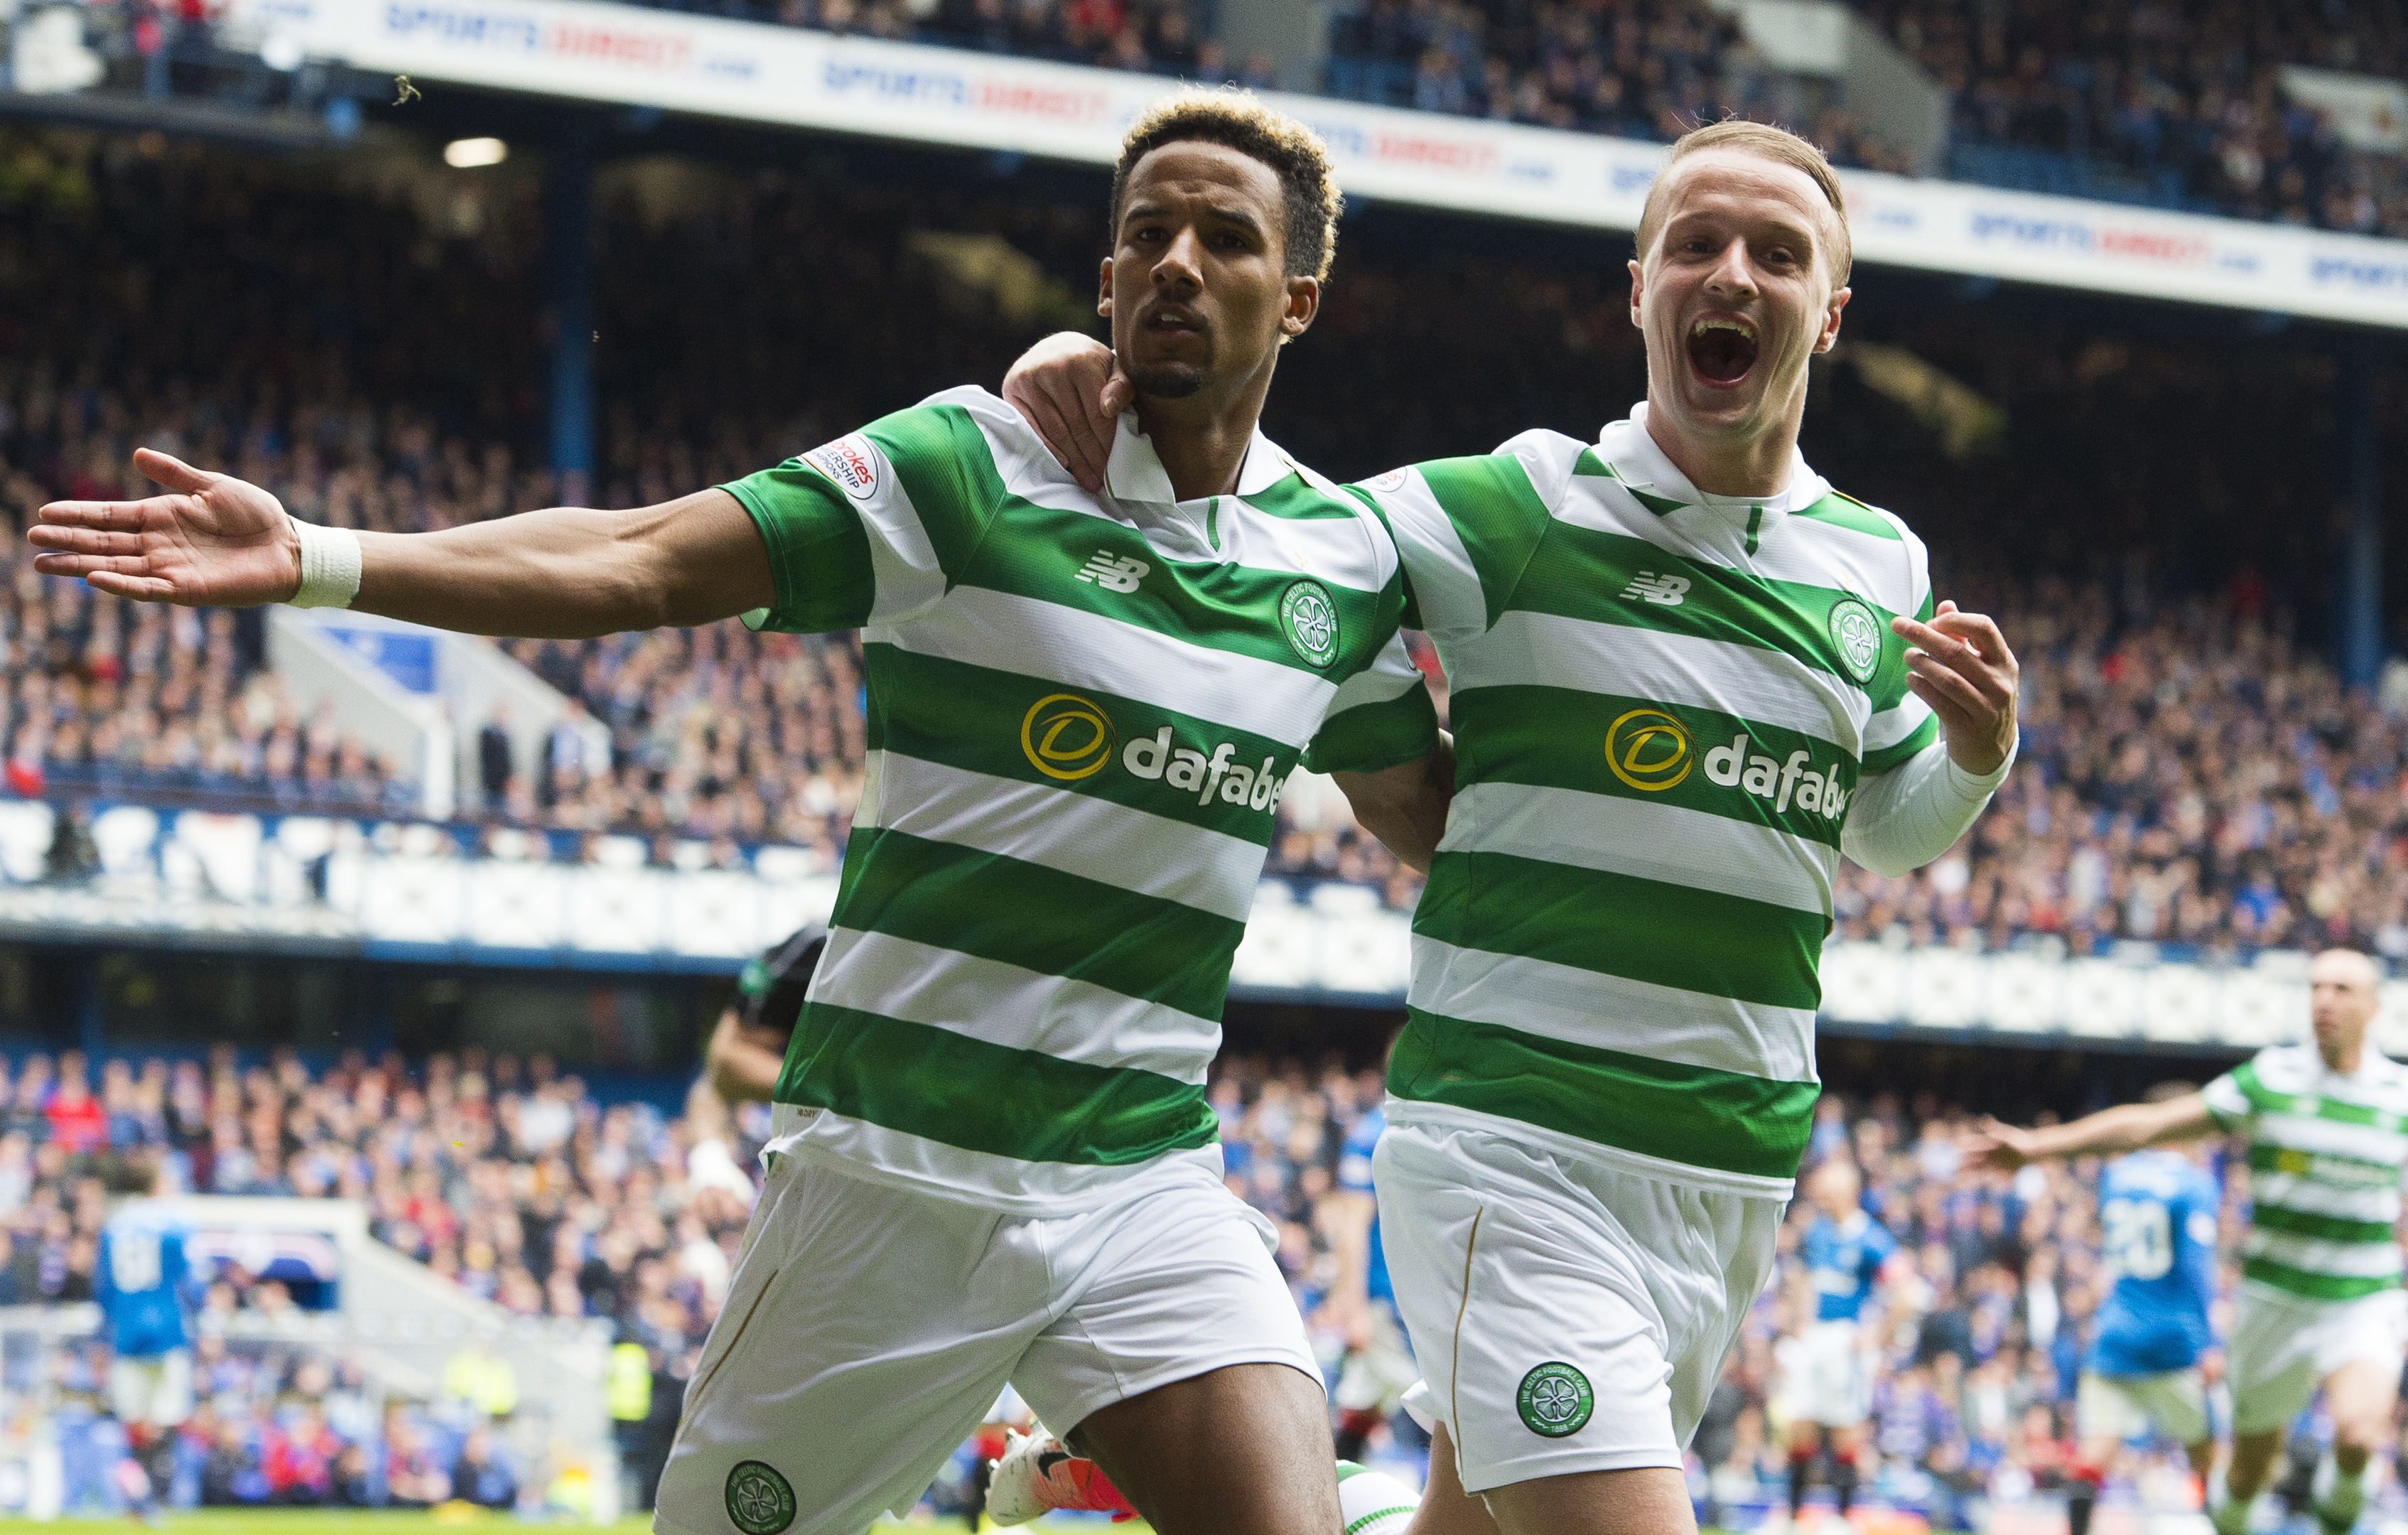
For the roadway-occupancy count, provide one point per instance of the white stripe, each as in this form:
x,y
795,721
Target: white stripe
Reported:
x,y
1077,649
1077,834
2311,1194
1390,676
1814,553
1353,551
1582,1007
1006,1005
1446,584
862,1150
1766,687
2306,1132
1893,725
2341,1259
1644,840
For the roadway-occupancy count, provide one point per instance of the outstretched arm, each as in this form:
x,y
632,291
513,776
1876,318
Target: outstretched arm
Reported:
x,y
566,573
2126,1128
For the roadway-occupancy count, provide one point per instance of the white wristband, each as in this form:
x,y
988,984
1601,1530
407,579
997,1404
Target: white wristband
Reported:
x,y
330,565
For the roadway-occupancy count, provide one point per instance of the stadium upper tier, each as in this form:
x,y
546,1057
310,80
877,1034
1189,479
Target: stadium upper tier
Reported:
x,y
2201,110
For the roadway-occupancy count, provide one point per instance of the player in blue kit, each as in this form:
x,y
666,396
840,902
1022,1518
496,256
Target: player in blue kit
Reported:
x,y
2153,1356
1848,1257
1379,1367
139,1279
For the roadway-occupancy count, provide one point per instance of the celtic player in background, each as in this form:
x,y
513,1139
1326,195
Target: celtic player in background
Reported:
x,y
1687,674
991,1156
2321,1304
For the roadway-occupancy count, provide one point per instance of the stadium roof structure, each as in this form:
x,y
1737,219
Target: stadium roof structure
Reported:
x,y
590,51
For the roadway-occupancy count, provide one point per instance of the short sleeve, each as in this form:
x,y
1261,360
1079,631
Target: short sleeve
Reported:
x,y
1382,718
2229,1098
876,526
1465,528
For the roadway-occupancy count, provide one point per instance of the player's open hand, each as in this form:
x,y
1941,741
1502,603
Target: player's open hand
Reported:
x,y
2002,1148
212,541
1071,389
1960,664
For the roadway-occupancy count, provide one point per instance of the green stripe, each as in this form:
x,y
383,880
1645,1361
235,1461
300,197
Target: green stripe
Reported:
x,y
1564,738
1589,466
1354,1526
1372,738
945,1086
1690,1114
1581,572
1497,513
1039,919
2304,1223
1299,499
2266,1101
819,551
971,718
1667,934
949,471
2323,1167
1038,552
1848,512
1900,751
2313,1285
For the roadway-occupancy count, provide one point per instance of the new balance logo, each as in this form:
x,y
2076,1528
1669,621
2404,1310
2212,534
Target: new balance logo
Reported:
x,y
1119,573
1647,586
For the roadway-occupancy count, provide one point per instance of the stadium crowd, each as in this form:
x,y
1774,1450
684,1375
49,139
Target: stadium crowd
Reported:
x,y
2192,772
2180,105
508,1177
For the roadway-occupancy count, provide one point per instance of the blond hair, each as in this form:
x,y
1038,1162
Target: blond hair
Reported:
x,y
1766,142
1235,119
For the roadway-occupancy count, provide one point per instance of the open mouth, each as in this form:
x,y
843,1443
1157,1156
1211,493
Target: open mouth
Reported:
x,y
1174,323
1722,350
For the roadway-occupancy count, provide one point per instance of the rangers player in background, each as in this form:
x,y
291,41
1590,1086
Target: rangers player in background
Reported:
x,y
1849,1258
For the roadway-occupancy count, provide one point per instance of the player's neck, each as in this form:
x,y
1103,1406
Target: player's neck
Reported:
x,y
2340,1062
1202,439
1753,464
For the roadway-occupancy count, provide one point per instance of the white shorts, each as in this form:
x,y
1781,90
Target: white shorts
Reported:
x,y
156,1389
1570,1317
2283,1347
2125,1407
1828,1379
868,1328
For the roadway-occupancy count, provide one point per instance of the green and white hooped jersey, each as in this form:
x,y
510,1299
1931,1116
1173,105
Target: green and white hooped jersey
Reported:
x,y
2325,1158
1662,704
1082,711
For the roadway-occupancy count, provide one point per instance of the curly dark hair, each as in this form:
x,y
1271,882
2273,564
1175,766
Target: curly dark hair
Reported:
x,y
1235,119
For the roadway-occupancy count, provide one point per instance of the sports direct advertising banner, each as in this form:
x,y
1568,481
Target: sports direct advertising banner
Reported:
x,y
769,73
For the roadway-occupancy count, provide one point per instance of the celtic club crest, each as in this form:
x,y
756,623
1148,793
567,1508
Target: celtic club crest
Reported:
x,y
1856,635
1309,620
1554,1401
760,1500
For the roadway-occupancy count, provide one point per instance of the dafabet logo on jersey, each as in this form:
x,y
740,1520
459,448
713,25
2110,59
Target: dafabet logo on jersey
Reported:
x,y
1067,737
1651,750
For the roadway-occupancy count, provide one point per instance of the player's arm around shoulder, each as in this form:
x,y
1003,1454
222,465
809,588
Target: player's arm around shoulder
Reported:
x,y
567,572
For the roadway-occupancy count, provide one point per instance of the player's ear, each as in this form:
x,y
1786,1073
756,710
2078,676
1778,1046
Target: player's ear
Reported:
x,y
1637,291
1303,303
1104,290
1830,333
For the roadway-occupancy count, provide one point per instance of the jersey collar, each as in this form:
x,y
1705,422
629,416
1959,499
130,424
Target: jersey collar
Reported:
x,y
1135,473
1663,489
